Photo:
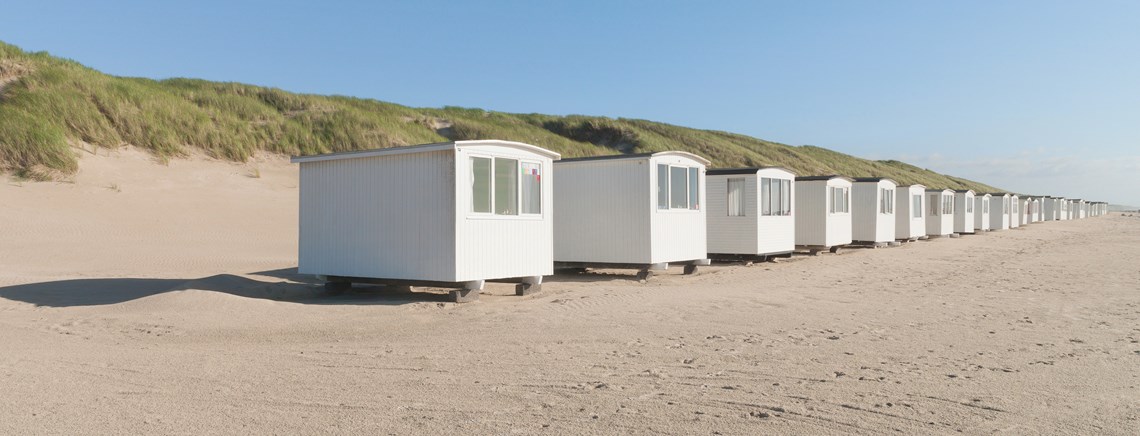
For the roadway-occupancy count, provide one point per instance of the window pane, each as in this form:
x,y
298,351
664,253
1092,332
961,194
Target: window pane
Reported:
x,y
662,186
678,188
969,206
695,188
735,197
831,197
506,186
531,187
846,200
917,206
778,194
481,184
786,197
765,196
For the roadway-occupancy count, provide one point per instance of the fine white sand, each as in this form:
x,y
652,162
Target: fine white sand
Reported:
x,y
150,298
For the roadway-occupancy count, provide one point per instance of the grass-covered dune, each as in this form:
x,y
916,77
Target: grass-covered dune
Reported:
x,y
50,106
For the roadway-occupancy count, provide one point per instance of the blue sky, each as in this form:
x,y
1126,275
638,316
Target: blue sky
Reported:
x,y
1032,96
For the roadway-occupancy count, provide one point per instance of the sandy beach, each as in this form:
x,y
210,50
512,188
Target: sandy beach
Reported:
x,y
143,297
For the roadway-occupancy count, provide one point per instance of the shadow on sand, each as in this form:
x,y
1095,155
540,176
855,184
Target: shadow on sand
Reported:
x,y
295,288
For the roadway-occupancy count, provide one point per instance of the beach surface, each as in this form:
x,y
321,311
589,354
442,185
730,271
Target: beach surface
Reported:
x,y
162,298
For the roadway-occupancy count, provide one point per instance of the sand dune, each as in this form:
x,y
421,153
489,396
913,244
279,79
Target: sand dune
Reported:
x,y
166,303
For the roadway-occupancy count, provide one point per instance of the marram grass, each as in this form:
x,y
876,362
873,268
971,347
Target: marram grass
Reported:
x,y
48,105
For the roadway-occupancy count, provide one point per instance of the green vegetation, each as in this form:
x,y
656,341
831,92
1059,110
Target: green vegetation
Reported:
x,y
50,106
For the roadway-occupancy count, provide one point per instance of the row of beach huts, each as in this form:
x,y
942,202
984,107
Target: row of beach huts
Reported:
x,y
459,214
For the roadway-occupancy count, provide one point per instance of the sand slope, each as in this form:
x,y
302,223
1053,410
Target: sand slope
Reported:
x,y
168,305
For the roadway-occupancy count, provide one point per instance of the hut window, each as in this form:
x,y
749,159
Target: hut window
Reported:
x,y
678,188
531,187
786,198
776,197
969,205
947,205
481,184
736,197
985,206
934,204
886,201
506,186
694,188
917,206
662,186
839,201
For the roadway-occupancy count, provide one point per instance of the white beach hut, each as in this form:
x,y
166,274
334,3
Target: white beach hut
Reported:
x,y
452,214
823,212
910,221
1014,211
939,213
1025,209
1051,208
873,211
1037,214
750,213
999,211
982,212
1080,211
634,211
964,211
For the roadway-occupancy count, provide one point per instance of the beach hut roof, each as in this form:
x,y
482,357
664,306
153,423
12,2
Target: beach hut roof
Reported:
x,y
702,160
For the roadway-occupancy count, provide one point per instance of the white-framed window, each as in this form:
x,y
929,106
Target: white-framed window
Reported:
x,y
840,203
934,204
985,205
775,197
948,204
886,201
969,205
735,192
917,208
678,187
505,186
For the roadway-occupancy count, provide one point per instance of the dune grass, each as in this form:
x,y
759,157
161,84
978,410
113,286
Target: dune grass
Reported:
x,y
49,106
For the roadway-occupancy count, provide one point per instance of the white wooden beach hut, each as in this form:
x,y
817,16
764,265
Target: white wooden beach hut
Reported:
x,y
982,212
1025,208
910,218
823,212
453,214
1014,211
634,211
964,211
939,213
999,211
1051,209
1037,214
1080,211
873,211
749,213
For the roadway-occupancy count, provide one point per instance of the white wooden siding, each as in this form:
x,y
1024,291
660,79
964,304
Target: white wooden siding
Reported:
x,y
601,212
384,216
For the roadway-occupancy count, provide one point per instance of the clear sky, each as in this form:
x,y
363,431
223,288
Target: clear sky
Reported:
x,y
1032,96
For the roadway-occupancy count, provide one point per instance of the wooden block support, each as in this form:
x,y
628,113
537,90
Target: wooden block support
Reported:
x,y
527,288
690,269
464,295
644,275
